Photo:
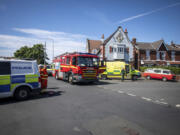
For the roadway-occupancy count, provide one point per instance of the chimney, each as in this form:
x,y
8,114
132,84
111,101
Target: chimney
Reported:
x,y
102,38
134,41
126,32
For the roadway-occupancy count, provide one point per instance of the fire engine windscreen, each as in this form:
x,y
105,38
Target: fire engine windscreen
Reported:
x,y
88,61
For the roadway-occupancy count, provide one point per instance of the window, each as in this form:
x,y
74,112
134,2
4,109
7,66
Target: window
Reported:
x,y
88,61
68,60
173,55
163,55
57,65
63,60
5,68
147,54
110,49
74,61
157,71
120,50
166,72
157,55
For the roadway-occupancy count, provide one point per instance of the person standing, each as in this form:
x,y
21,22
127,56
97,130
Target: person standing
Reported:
x,y
122,74
44,77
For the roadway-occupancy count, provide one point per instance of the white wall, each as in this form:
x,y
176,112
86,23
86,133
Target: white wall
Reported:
x,y
115,43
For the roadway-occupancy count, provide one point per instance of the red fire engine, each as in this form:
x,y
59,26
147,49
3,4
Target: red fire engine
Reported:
x,y
76,67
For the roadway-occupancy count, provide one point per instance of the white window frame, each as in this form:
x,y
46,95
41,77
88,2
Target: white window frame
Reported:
x,y
164,55
157,55
147,54
173,55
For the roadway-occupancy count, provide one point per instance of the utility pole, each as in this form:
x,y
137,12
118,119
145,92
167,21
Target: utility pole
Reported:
x,y
45,54
53,50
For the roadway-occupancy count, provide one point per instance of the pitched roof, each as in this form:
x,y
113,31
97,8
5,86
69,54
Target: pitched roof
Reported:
x,y
149,45
173,48
155,45
144,46
94,44
109,38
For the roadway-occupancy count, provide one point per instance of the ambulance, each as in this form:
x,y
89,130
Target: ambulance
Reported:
x,y
113,71
18,78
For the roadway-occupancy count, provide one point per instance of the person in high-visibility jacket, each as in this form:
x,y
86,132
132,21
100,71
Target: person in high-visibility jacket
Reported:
x,y
44,77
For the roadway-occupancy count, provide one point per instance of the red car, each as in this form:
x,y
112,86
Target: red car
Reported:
x,y
158,73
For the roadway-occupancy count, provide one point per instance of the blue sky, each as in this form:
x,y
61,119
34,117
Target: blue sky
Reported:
x,y
69,22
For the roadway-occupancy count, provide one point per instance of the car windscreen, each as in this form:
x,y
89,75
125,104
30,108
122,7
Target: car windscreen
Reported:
x,y
88,61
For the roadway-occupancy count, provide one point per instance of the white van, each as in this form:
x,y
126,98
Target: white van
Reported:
x,y
18,78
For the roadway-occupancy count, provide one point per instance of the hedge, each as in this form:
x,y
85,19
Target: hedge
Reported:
x,y
175,70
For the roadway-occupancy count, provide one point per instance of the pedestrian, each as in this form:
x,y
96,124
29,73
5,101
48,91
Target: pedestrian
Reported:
x,y
122,74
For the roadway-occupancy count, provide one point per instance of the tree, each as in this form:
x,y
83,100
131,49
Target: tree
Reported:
x,y
36,52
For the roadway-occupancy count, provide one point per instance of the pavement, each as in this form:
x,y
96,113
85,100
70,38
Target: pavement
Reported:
x,y
109,107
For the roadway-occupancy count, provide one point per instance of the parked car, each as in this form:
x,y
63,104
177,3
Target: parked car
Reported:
x,y
158,73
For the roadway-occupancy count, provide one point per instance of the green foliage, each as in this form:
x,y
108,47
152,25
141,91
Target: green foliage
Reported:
x,y
36,52
175,70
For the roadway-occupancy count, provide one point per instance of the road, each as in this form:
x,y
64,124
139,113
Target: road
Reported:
x,y
107,108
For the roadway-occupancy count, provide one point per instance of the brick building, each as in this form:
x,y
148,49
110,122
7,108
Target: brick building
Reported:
x,y
155,53
118,47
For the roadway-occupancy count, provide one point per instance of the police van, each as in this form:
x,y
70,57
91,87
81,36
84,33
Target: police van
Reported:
x,y
18,78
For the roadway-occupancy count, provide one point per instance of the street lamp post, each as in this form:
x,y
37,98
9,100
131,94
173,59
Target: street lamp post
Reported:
x,y
45,53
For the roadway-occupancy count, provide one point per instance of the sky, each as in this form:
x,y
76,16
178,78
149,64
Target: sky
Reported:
x,y
67,24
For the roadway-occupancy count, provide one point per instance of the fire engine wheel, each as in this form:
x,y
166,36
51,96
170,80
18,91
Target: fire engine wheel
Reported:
x,y
22,93
148,77
70,79
164,79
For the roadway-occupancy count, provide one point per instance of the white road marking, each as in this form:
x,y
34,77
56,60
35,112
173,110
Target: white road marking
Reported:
x,y
119,91
157,101
178,105
76,129
147,99
131,94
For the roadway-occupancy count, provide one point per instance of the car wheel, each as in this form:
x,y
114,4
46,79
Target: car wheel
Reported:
x,y
22,93
104,77
148,77
70,79
164,79
134,77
